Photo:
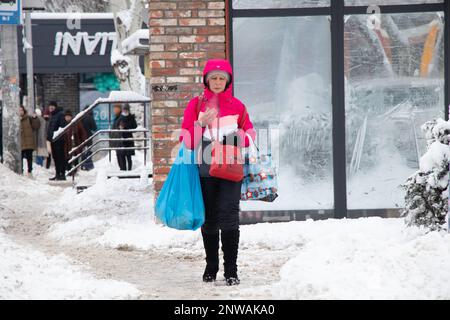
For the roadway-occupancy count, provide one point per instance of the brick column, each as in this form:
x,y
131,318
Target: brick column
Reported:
x,y
183,36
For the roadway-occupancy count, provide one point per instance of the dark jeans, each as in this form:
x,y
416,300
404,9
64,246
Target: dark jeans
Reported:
x,y
221,198
59,157
88,164
28,154
124,160
40,161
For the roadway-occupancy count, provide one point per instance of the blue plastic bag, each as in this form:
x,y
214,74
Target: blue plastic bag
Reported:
x,y
180,203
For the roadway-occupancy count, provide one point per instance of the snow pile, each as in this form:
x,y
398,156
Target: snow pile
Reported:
x,y
119,213
110,204
367,259
17,191
427,190
29,274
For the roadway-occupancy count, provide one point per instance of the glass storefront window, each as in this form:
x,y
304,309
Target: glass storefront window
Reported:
x,y
394,72
283,75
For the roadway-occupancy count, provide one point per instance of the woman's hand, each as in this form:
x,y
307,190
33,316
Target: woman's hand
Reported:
x,y
206,118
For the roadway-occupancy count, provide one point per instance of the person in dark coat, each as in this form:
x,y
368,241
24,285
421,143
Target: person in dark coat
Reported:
x,y
28,127
41,139
73,138
90,127
117,110
46,116
127,121
56,122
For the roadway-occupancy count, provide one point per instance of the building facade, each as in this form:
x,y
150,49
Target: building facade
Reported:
x,y
340,87
72,59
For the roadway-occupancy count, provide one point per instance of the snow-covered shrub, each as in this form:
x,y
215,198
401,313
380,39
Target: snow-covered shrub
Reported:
x,y
427,190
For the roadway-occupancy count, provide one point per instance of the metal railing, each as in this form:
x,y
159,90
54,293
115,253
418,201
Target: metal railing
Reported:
x,y
84,150
86,155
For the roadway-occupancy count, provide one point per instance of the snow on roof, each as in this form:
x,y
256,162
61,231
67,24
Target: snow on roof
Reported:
x,y
71,15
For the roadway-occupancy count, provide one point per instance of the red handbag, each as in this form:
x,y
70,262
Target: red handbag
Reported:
x,y
226,160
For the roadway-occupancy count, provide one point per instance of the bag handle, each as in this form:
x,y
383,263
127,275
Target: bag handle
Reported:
x,y
252,142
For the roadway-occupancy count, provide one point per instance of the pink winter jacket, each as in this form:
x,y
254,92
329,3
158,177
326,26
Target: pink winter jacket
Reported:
x,y
231,112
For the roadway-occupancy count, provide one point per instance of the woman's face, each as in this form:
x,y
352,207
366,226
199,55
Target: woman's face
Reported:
x,y
217,83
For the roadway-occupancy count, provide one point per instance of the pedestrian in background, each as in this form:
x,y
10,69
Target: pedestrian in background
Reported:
x,y
127,121
56,122
28,127
75,136
41,140
117,110
46,117
90,127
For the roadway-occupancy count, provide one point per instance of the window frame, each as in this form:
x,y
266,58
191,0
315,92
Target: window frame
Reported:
x,y
337,11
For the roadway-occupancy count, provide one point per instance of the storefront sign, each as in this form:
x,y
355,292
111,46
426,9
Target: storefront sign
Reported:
x,y
97,43
59,49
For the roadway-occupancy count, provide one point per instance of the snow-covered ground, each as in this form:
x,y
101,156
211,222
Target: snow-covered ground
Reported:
x,y
108,231
26,273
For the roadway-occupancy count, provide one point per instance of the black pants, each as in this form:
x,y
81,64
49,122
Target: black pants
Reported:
x,y
221,198
124,160
28,154
59,158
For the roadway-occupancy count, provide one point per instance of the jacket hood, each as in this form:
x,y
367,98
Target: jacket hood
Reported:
x,y
222,65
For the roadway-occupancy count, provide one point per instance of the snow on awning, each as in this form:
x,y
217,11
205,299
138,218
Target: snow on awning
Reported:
x,y
123,96
114,97
137,43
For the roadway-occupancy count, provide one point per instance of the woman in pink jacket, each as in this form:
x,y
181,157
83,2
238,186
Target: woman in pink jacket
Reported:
x,y
221,197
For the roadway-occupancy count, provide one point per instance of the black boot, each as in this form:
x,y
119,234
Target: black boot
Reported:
x,y
230,246
211,244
